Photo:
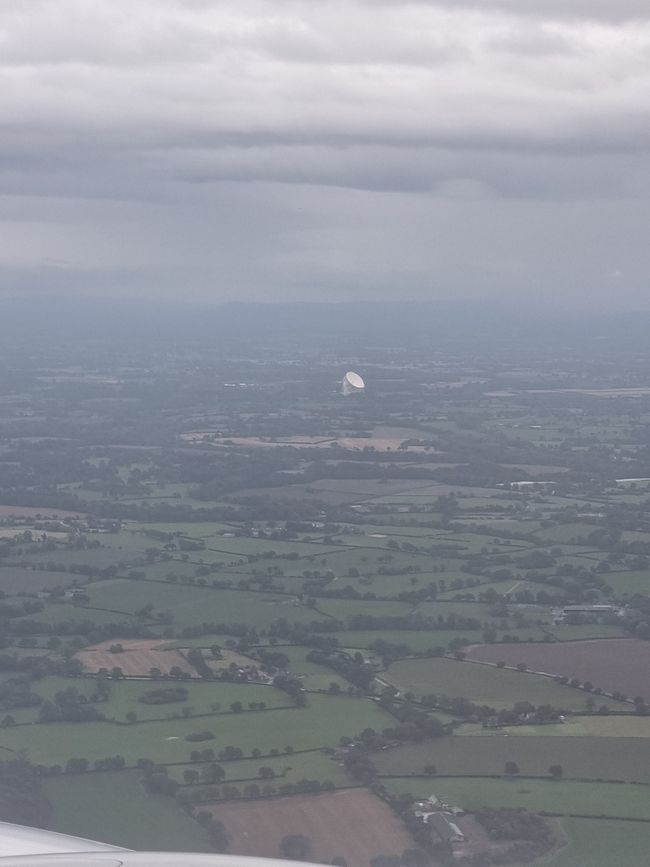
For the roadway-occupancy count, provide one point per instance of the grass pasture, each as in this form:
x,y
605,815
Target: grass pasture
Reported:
x,y
484,685
18,579
600,843
83,803
321,723
192,605
581,757
288,769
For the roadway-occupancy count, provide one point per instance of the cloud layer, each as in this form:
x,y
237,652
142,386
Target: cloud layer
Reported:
x,y
345,148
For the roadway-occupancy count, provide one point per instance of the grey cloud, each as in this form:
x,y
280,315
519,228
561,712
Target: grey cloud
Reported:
x,y
289,147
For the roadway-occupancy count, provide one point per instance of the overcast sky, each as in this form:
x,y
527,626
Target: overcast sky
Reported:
x,y
327,149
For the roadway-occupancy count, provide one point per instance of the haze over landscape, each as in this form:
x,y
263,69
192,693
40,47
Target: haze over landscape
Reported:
x,y
325,431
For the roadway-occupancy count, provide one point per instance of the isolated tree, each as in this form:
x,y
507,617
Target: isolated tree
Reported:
x,y
556,772
511,769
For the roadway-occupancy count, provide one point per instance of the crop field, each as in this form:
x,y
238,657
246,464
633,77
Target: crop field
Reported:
x,y
580,757
354,825
138,820
137,660
482,684
621,665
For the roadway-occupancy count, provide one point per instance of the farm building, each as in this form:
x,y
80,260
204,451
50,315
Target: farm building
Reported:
x,y
582,613
445,828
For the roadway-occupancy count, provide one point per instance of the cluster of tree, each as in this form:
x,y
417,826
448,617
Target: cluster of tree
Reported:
x,y
16,692
21,799
69,705
293,688
194,737
354,669
79,765
521,712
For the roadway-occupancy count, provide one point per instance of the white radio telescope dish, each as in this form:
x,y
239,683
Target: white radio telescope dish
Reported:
x,y
352,384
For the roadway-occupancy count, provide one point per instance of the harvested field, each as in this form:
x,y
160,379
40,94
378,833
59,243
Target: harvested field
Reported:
x,y
614,664
137,660
352,824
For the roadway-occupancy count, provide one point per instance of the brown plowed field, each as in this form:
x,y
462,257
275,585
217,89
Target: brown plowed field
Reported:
x,y
138,658
353,824
613,664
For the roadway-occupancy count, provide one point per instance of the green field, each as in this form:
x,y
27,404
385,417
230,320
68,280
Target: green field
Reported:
x,y
288,769
482,684
600,843
581,757
614,726
192,605
114,808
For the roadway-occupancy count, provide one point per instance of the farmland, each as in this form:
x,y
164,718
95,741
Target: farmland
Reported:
x,y
482,684
138,819
622,666
228,591
353,825
585,757
567,797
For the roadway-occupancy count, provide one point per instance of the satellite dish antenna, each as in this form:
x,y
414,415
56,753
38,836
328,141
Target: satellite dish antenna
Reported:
x,y
352,384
